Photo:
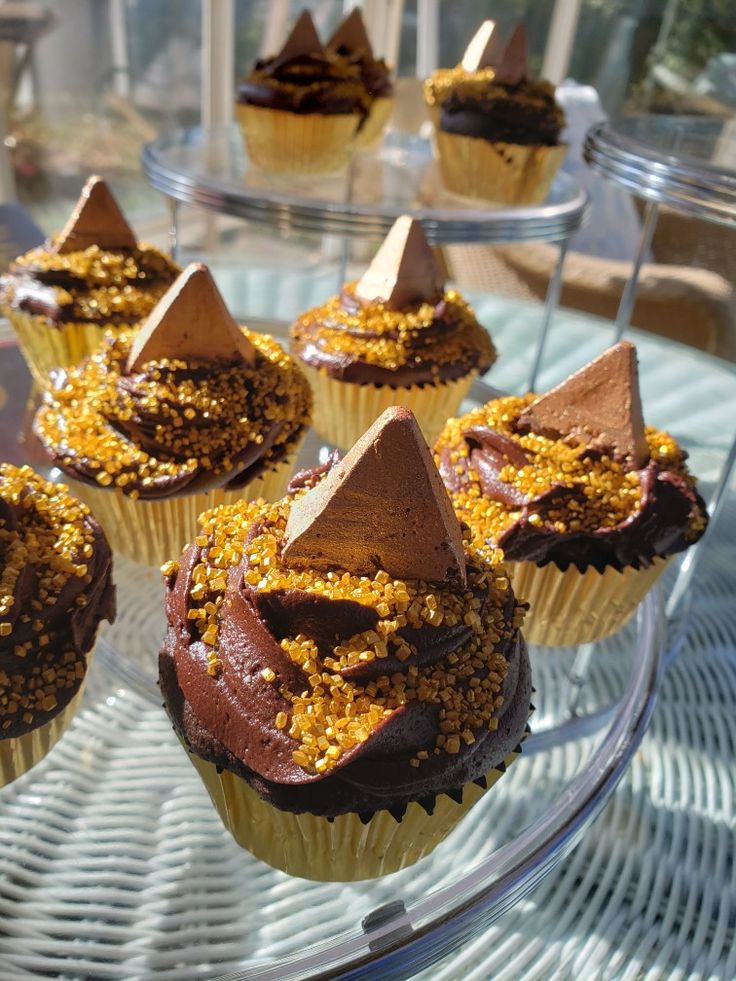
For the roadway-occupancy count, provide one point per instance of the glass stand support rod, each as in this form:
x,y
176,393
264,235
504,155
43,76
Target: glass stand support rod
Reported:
x,y
551,301
628,297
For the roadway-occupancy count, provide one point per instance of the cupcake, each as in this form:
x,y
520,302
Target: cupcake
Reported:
x,y
397,336
344,697
497,131
55,589
586,503
92,277
190,412
301,109
350,41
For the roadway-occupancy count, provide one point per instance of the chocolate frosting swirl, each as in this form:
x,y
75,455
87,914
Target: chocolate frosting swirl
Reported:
x,y
525,113
55,589
174,428
228,718
669,515
117,287
365,343
314,83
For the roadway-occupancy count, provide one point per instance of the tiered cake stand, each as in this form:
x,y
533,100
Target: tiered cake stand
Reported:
x,y
113,864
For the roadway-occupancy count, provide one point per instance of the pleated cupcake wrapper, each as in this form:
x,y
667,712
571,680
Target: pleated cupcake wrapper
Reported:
x,y
46,345
299,143
505,173
574,607
342,850
152,532
19,753
378,116
343,411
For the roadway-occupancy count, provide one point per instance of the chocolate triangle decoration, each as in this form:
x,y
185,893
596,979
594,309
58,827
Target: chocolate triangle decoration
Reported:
x,y
513,66
404,271
192,323
599,406
96,220
303,40
485,48
383,507
351,35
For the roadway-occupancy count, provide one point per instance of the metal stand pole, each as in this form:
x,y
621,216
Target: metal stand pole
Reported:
x,y
550,305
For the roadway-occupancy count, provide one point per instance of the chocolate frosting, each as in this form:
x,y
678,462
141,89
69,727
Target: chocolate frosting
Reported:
x,y
525,113
321,83
661,526
56,630
230,720
131,421
446,346
117,287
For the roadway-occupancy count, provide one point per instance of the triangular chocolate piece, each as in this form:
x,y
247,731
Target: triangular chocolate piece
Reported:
x,y
351,35
599,406
404,271
96,220
383,507
303,40
192,323
513,66
485,48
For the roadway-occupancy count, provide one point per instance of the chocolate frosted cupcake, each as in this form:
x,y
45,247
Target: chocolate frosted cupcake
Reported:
x,y
586,502
92,277
55,589
192,412
497,131
300,110
350,41
396,337
345,698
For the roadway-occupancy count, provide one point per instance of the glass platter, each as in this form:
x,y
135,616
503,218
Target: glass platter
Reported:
x,y
209,168
114,864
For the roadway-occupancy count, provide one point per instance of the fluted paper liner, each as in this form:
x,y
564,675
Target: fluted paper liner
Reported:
x,y
344,410
152,532
574,607
307,143
378,116
46,345
342,850
19,753
505,173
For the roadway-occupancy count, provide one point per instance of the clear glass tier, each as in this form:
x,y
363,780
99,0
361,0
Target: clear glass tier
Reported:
x,y
686,162
210,168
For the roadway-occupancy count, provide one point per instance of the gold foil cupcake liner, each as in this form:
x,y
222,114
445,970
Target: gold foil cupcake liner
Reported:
x,y
19,753
342,850
343,410
46,345
505,173
574,607
309,143
378,116
152,532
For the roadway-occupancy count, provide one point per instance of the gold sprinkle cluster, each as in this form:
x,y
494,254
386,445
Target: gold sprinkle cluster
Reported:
x,y
480,87
107,286
203,422
52,536
394,339
331,714
611,493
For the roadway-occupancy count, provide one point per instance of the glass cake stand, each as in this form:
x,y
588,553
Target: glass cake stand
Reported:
x,y
209,168
113,862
